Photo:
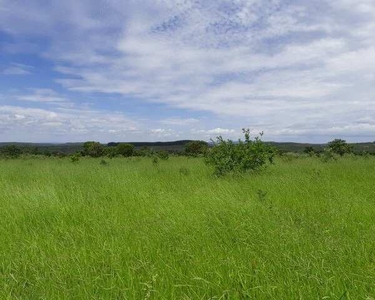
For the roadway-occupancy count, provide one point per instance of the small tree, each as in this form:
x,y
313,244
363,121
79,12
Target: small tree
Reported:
x,y
111,152
47,153
75,157
35,151
196,148
309,150
125,150
340,147
227,156
11,151
144,151
162,154
93,149
328,155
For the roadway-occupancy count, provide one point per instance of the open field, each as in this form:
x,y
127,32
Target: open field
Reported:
x,y
302,229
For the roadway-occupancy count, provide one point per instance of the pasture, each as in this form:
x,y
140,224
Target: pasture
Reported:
x,y
134,229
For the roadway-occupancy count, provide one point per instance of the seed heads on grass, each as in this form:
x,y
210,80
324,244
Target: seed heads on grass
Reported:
x,y
104,163
256,237
184,171
290,157
262,195
317,173
328,155
365,155
74,158
164,155
149,287
155,161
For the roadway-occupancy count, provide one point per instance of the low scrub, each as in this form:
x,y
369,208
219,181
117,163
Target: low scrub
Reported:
x,y
196,148
250,155
163,155
11,151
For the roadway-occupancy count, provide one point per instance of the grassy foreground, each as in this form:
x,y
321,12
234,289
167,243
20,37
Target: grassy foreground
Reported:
x,y
302,229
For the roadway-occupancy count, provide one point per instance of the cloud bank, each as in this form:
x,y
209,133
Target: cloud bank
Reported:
x,y
298,70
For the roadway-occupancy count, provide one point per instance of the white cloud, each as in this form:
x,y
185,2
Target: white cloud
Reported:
x,y
42,95
161,133
17,69
179,121
302,67
220,131
61,124
213,133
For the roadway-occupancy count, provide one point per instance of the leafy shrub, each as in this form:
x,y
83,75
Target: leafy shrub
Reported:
x,y
162,154
143,152
155,161
11,151
125,150
227,156
111,152
340,147
351,156
104,163
310,151
290,156
365,154
47,153
262,195
328,155
184,171
58,154
75,158
196,148
93,149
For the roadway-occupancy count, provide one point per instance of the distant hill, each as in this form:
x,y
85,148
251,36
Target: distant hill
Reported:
x,y
176,146
70,148
168,146
67,148
299,147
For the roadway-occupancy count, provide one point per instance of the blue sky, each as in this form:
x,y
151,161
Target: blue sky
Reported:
x,y
142,70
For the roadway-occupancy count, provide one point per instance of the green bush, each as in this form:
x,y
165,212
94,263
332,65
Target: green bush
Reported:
x,y
11,151
93,149
104,163
290,156
340,147
143,152
310,151
111,152
155,160
75,158
227,156
328,155
184,171
196,148
125,150
365,154
162,154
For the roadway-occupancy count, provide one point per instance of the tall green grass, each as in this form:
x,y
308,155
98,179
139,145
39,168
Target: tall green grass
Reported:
x,y
132,229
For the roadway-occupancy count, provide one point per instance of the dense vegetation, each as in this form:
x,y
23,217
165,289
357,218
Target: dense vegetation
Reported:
x,y
240,157
133,229
177,147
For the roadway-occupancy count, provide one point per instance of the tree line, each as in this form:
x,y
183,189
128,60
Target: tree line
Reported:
x,y
96,150
189,148
225,156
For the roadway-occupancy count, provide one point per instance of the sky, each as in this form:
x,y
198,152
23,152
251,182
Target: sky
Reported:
x,y
162,70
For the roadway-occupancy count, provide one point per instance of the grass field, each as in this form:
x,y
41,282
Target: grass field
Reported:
x,y
302,229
